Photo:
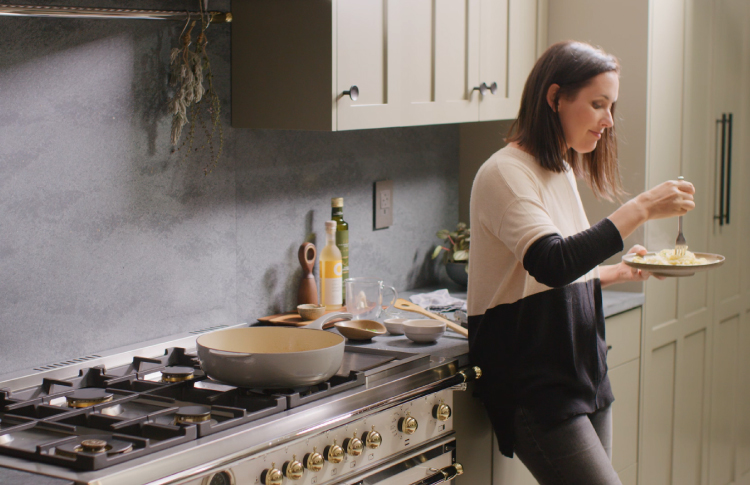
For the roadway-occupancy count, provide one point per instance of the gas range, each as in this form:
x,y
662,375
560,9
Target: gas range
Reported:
x,y
151,415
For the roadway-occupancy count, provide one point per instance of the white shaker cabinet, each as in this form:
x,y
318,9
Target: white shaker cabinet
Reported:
x,y
314,64
507,55
356,64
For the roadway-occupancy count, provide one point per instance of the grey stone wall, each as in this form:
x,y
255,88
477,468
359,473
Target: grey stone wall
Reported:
x,y
108,238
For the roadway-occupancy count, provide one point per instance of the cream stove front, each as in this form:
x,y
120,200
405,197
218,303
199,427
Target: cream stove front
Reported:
x,y
373,449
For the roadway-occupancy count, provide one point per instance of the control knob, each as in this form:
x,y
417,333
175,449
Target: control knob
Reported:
x,y
354,445
293,469
408,424
334,453
372,439
314,461
441,411
272,476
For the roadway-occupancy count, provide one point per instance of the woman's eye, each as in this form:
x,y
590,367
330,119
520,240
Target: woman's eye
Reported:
x,y
597,105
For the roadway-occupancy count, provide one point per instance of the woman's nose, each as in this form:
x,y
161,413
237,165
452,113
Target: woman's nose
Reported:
x,y
607,120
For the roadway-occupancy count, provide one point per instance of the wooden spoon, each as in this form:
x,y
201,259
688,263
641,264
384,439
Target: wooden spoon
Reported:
x,y
402,304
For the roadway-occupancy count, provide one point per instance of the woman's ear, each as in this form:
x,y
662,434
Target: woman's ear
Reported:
x,y
552,96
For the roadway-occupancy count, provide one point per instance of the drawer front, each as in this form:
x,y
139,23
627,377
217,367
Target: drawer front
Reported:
x,y
624,336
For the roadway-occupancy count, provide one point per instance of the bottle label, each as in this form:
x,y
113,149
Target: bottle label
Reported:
x,y
342,242
331,273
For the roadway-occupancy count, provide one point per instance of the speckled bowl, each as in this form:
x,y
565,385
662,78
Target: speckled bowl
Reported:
x,y
310,311
424,330
395,326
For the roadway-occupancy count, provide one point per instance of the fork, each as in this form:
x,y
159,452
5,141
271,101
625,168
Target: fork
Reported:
x,y
680,245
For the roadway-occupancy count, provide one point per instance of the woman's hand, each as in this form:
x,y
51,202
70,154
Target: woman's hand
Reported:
x,y
671,198
621,272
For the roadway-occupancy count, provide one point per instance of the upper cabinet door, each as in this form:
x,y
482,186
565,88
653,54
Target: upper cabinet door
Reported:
x,y
507,54
439,60
366,36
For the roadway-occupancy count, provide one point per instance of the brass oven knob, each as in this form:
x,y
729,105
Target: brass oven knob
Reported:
x,y
272,476
314,461
354,445
408,424
372,439
334,453
441,411
293,469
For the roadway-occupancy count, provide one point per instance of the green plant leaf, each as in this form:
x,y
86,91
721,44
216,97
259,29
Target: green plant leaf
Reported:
x,y
443,233
461,255
437,251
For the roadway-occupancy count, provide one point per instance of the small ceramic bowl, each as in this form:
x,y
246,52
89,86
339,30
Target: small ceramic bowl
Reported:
x,y
395,326
311,311
424,330
360,329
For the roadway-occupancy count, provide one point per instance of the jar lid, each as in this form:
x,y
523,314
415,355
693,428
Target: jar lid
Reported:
x,y
337,202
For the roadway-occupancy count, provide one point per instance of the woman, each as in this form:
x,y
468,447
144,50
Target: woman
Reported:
x,y
536,326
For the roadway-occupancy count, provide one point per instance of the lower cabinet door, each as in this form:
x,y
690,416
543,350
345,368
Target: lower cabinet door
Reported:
x,y
624,379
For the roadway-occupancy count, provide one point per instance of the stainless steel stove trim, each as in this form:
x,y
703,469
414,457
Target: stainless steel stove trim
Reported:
x,y
341,420
112,358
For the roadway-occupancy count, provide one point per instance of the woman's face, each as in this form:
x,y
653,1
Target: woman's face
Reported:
x,y
585,117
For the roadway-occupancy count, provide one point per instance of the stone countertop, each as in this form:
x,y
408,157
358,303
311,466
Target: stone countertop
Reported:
x,y
614,301
451,345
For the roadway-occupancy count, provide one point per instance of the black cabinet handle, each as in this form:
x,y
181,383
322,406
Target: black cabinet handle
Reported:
x,y
729,165
722,158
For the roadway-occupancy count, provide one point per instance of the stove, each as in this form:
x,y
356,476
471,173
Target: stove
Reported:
x,y
151,415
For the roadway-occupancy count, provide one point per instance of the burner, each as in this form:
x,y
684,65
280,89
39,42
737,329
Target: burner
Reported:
x,y
177,374
192,414
94,444
83,398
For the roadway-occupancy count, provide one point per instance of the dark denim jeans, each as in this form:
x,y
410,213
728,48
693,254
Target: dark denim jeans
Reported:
x,y
577,451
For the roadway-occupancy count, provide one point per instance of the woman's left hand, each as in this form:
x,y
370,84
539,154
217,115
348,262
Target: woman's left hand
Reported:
x,y
621,272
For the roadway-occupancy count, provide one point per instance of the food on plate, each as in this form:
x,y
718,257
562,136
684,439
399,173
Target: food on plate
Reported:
x,y
668,257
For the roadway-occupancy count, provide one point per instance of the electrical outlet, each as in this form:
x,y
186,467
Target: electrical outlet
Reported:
x,y
383,202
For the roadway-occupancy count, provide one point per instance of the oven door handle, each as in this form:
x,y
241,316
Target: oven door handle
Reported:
x,y
440,476
443,475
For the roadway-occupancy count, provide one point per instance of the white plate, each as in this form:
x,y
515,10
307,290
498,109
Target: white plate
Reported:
x,y
714,261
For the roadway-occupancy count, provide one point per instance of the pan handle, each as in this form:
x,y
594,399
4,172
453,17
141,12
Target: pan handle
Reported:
x,y
318,324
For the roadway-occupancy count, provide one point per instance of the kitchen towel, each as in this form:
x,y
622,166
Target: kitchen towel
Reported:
x,y
438,301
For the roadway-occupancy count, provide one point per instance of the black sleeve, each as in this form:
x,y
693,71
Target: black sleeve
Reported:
x,y
556,261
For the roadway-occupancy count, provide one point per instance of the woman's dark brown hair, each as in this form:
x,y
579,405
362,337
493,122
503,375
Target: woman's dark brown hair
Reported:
x,y
572,66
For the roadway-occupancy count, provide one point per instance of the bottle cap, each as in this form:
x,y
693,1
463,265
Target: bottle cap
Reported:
x,y
337,202
331,226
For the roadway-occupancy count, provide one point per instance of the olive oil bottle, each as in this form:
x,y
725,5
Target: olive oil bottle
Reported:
x,y
342,237
331,281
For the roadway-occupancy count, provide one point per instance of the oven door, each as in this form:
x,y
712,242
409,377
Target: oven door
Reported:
x,y
430,464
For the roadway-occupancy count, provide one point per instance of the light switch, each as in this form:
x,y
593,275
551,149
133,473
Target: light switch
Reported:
x,y
383,204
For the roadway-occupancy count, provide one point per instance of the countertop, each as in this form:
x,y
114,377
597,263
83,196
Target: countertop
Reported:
x,y
451,345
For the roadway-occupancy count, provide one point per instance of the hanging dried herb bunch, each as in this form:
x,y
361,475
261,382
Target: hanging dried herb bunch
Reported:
x,y
192,103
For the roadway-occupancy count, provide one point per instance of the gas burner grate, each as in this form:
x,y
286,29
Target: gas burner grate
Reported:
x,y
74,441
301,396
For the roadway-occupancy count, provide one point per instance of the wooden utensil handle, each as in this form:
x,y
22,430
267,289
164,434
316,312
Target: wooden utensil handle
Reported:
x,y
306,256
402,304
308,289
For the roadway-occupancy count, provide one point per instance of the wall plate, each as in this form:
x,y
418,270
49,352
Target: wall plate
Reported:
x,y
383,204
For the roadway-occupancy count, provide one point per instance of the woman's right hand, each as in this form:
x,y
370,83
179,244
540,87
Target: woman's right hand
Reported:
x,y
671,198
